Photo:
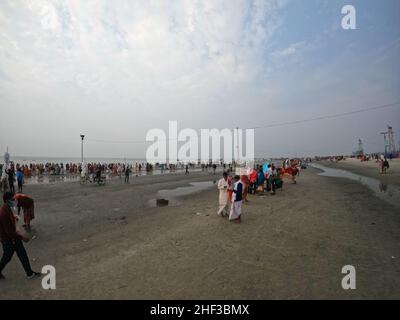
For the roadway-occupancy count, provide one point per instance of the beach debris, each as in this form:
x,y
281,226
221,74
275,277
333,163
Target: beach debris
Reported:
x,y
33,238
121,220
211,271
162,202
393,257
121,287
84,240
117,218
202,214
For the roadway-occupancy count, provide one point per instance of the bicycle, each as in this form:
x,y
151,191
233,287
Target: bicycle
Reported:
x,y
90,179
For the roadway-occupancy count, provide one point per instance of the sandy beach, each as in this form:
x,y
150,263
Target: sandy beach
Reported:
x,y
369,169
111,243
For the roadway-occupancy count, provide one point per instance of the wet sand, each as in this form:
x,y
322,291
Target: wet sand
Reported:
x,y
369,169
109,243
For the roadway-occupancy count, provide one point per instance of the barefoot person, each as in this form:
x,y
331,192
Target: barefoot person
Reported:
x,y
237,201
223,185
28,206
11,240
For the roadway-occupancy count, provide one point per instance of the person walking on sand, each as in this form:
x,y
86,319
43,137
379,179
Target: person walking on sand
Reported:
x,y
11,179
11,240
127,172
28,206
223,185
20,179
381,161
237,201
186,169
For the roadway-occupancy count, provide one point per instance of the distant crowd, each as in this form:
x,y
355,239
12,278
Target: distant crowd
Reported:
x,y
261,179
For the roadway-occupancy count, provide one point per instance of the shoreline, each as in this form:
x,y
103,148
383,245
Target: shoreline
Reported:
x,y
368,169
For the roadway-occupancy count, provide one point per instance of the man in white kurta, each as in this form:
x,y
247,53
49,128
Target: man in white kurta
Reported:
x,y
237,201
223,185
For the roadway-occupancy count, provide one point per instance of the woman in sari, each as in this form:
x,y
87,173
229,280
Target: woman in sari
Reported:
x,y
290,172
246,183
27,204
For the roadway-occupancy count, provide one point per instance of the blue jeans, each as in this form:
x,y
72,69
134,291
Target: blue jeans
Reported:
x,y
9,247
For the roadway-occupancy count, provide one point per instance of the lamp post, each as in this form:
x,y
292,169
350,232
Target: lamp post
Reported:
x,y
82,136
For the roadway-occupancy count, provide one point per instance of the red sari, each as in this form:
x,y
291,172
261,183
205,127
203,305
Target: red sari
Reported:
x,y
230,189
27,204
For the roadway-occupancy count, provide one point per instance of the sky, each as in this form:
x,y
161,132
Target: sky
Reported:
x,y
113,70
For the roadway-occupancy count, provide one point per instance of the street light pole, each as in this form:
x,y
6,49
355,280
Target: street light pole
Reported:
x,y
82,136
237,143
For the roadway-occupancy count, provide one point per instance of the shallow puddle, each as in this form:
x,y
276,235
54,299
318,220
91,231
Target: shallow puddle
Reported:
x,y
387,192
172,194
51,179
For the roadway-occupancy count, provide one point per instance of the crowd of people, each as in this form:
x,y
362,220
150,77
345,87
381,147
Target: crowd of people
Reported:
x,y
37,169
233,189
91,171
267,178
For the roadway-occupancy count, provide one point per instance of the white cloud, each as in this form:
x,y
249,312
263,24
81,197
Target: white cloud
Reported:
x,y
114,69
140,58
147,43
291,50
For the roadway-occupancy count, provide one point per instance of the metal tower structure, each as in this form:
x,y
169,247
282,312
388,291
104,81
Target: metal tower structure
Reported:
x,y
360,148
388,138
